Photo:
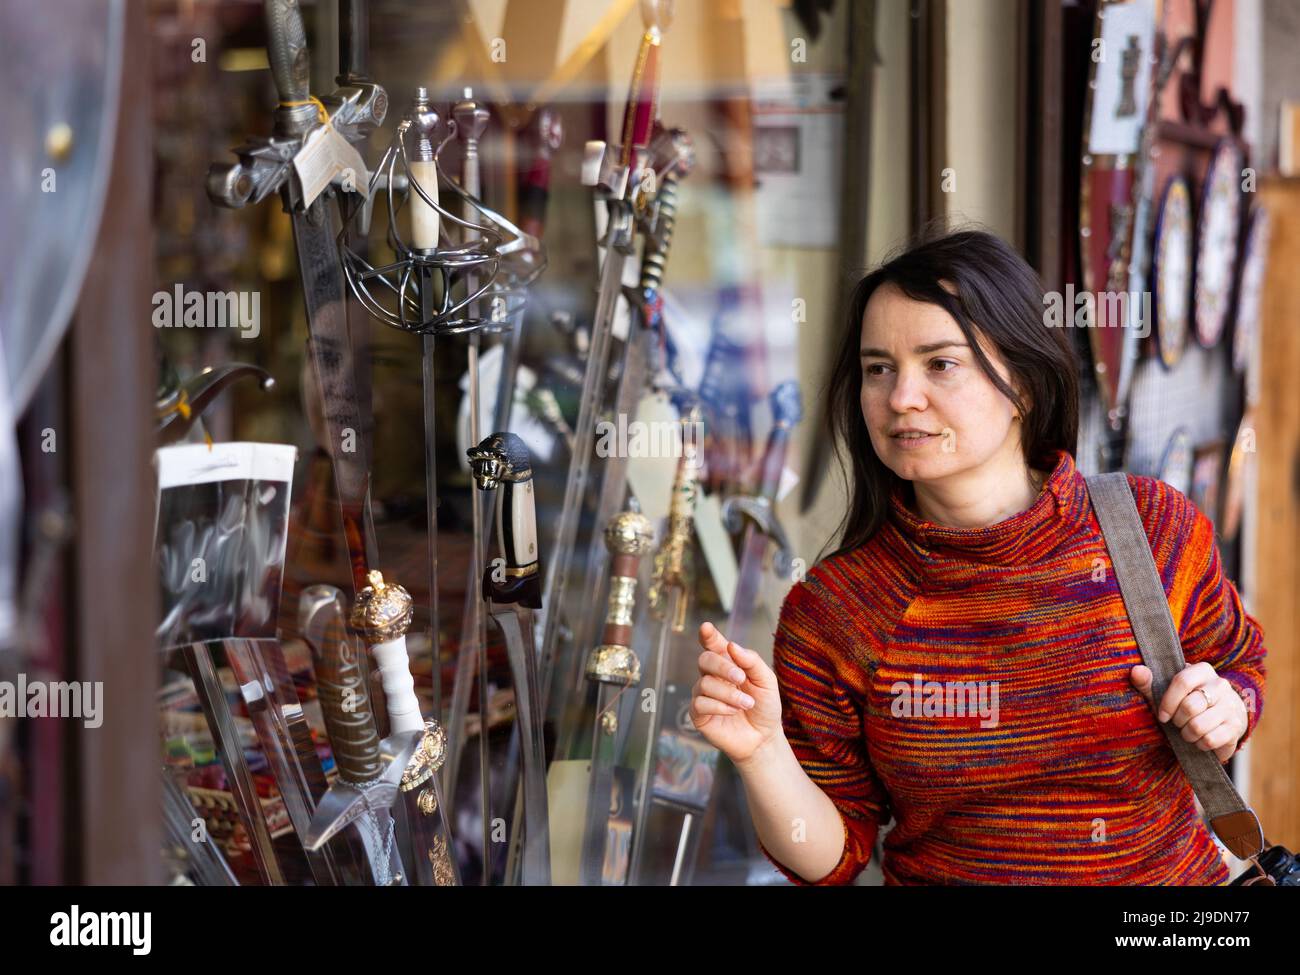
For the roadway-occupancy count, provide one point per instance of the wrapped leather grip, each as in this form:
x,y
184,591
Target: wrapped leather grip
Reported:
x,y
286,49
344,699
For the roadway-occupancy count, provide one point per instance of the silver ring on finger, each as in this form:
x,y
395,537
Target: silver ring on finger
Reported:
x,y
1209,701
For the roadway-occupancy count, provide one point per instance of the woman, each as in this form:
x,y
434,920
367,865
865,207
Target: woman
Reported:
x,y
963,662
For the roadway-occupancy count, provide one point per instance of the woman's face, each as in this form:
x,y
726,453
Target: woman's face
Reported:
x,y
919,372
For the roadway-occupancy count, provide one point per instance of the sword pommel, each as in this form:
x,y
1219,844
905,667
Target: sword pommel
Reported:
x,y
426,122
629,533
657,15
471,117
383,610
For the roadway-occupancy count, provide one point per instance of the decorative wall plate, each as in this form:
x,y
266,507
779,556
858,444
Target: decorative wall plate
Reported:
x,y
1254,265
1243,451
1173,253
1217,237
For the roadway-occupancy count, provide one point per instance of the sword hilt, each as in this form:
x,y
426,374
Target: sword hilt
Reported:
x,y
471,120
547,134
286,50
673,157
425,219
674,568
501,462
382,615
340,685
643,94
628,536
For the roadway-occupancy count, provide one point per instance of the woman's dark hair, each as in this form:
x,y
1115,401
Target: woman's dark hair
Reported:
x,y
997,295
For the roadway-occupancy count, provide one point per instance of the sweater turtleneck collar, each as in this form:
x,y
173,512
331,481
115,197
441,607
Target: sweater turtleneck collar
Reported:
x,y
1062,504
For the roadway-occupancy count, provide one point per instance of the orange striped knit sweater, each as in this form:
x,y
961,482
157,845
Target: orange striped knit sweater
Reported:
x,y
974,685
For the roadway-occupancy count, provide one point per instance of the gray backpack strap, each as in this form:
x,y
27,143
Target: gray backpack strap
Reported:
x,y
1153,627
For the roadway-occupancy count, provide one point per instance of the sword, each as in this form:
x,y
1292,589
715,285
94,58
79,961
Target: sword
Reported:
x,y
471,119
612,174
613,664
425,225
762,530
513,590
674,577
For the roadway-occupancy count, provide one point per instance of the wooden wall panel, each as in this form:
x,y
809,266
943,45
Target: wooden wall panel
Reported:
x,y
1274,750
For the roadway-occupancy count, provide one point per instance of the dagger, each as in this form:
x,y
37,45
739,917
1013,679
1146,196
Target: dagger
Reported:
x,y
513,590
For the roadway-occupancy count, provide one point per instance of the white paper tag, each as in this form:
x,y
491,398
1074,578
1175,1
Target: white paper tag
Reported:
x,y
326,156
230,461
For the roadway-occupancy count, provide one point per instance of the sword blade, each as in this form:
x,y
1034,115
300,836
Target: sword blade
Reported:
x,y
595,833
331,353
536,854
593,385
645,777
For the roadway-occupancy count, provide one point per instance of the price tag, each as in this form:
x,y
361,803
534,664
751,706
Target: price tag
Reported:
x,y
326,157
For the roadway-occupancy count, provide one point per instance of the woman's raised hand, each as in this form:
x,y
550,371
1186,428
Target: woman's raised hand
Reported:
x,y
735,704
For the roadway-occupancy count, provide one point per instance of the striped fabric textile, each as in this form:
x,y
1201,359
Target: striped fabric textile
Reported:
x,y
973,684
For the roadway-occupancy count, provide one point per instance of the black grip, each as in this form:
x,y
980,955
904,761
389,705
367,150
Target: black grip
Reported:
x,y
286,49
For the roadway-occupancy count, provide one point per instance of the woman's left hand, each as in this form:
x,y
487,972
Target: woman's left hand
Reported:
x,y
1206,707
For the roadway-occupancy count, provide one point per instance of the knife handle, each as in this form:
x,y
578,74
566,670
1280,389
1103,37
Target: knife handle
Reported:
x,y
340,686
382,615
